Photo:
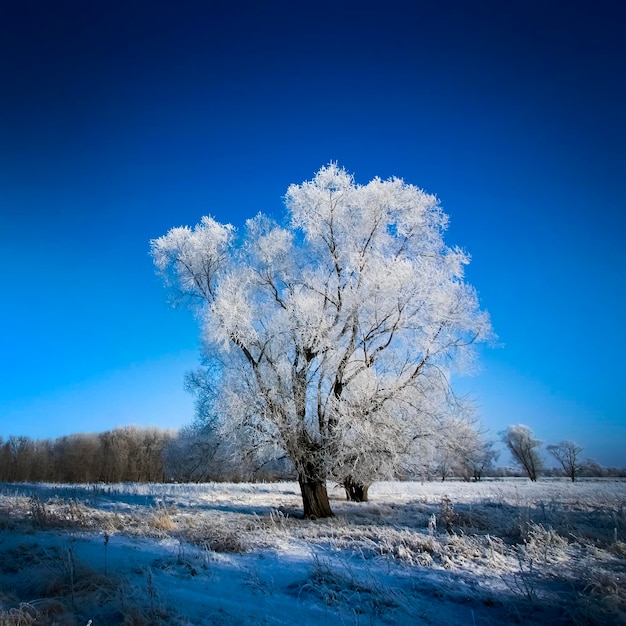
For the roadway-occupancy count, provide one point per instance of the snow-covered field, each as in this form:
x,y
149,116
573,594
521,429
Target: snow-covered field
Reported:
x,y
495,552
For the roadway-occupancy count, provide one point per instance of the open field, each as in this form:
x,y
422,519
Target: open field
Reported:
x,y
495,552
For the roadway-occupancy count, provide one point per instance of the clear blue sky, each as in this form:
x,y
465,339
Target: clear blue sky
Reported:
x,y
119,120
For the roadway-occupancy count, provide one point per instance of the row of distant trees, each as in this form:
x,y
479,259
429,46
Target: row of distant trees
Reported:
x,y
526,451
196,453
459,449
131,454
123,454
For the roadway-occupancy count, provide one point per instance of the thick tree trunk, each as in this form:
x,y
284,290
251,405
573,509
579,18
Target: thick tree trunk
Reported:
x,y
314,498
355,491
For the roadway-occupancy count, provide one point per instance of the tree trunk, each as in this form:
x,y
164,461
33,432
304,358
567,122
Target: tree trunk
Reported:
x,y
355,491
314,498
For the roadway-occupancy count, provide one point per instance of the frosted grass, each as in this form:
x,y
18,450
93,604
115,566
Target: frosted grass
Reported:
x,y
497,551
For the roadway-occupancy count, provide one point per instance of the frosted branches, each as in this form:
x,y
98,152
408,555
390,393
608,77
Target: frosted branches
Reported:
x,y
337,330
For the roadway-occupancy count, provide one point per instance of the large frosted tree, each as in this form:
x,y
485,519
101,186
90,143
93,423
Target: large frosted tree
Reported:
x,y
331,335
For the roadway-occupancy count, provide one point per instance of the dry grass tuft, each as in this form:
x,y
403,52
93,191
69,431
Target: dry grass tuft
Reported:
x,y
161,519
23,615
216,535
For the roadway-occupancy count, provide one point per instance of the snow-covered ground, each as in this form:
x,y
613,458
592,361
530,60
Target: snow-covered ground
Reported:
x,y
494,552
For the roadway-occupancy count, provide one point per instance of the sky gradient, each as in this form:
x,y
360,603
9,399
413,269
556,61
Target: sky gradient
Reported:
x,y
120,120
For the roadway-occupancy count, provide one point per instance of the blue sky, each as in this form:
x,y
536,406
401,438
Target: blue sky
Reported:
x,y
119,120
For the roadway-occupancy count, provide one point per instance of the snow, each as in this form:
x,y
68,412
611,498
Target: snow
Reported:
x,y
494,552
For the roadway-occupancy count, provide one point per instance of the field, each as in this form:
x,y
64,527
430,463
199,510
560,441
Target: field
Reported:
x,y
495,552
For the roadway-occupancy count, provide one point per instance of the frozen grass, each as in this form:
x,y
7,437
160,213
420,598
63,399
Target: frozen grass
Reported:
x,y
496,552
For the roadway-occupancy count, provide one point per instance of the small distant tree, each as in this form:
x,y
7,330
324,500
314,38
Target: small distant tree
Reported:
x,y
567,453
524,448
592,468
480,459
461,448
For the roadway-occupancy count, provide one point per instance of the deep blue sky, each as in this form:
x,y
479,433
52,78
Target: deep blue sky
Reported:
x,y
119,120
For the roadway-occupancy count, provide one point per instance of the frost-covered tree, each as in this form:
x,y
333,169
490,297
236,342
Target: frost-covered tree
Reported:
x,y
460,446
190,455
195,454
567,453
480,459
199,452
524,449
334,332
593,468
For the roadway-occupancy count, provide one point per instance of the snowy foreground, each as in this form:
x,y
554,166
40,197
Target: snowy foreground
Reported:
x,y
497,552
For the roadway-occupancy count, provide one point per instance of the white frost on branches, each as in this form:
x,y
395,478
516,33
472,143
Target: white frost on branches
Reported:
x,y
337,330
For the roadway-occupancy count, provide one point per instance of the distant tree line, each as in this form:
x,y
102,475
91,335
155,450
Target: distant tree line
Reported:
x,y
196,453
526,453
131,454
123,454
590,469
